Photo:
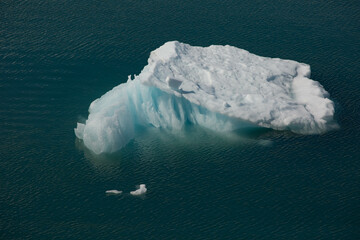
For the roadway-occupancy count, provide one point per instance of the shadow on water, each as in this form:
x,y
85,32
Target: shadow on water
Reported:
x,y
252,133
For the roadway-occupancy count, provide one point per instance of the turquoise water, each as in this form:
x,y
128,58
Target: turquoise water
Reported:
x,y
56,57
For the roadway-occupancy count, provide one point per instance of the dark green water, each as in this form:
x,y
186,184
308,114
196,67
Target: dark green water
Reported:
x,y
56,57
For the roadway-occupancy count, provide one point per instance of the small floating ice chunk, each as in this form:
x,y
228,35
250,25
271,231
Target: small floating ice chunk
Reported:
x,y
173,83
140,191
114,192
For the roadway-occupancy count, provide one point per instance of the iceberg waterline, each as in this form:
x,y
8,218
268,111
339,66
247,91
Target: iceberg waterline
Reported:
x,y
115,117
218,87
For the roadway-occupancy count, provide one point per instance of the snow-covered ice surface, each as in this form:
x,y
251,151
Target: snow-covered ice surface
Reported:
x,y
140,191
218,87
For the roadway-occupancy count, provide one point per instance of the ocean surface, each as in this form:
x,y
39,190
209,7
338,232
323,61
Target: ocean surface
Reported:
x,y
56,57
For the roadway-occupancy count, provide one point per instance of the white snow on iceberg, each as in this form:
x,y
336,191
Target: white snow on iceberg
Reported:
x,y
218,87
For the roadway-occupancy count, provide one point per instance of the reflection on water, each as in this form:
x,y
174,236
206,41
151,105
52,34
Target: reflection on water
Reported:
x,y
152,143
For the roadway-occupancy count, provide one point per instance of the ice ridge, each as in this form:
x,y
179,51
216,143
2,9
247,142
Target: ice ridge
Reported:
x,y
218,87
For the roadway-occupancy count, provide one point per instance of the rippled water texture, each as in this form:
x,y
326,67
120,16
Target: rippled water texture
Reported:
x,y
58,56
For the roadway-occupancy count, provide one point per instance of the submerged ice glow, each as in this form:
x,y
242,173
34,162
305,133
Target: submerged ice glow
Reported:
x,y
218,87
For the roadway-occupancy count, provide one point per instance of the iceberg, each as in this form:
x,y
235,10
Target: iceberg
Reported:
x,y
218,87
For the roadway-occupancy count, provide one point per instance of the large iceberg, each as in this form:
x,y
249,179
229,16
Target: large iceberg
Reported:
x,y
218,87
